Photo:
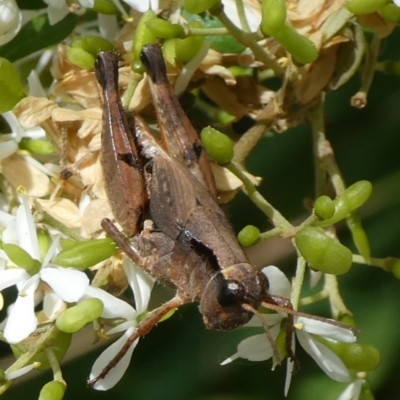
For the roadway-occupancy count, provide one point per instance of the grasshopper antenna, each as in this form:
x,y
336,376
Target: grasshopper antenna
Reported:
x,y
275,351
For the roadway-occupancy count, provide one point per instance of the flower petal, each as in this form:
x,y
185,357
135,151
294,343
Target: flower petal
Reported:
x,y
113,307
325,329
289,369
11,277
140,282
255,348
143,5
278,282
270,319
253,13
10,22
5,220
21,321
108,354
20,372
26,229
108,26
57,12
69,284
326,359
352,391
52,305
7,148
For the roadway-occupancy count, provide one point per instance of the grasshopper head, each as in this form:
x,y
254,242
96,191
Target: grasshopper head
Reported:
x,y
223,298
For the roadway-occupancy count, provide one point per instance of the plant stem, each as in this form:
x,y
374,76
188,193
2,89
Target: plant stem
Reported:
x,y
242,15
359,100
298,280
45,218
207,32
247,39
277,219
323,153
338,308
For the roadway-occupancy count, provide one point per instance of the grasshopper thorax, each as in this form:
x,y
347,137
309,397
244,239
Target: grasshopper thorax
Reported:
x,y
224,295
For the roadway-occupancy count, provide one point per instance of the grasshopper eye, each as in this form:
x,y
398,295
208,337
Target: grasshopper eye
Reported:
x,y
231,293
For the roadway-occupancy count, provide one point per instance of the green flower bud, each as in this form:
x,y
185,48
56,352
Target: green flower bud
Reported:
x,y
360,238
169,50
85,254
84,49
217,145
392,264
80,57
355,356
324,207
2,376
186,49
21,258
92,44
352,198
143,36
107,7
75,318
347,319
391,67
322,252
164,29
11,89
37,146
59,346
366,391
44,242
197,7
302,49
53,390
273,16
67,243
390,12
249,235
361,7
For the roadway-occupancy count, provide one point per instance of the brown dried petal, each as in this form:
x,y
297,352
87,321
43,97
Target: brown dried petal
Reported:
x,y
33,111
19,172
317,76
92,216
63,210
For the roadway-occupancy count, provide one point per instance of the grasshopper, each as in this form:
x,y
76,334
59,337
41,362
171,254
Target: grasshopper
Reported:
x,y
164,197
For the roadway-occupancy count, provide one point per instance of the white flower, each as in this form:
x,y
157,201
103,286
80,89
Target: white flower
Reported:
x,y
68,285
10,20
252,11
141,284
58,9
9,143
142,5
352,391
257,348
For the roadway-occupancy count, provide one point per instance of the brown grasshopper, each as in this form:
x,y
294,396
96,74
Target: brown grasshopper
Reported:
x,y
186,241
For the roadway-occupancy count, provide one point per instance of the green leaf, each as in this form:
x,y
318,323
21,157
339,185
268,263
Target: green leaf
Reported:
x,y
36,35
31,4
